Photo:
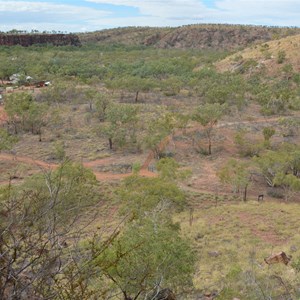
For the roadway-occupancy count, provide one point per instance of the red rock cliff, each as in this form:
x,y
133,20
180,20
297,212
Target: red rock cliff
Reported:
x,y
26,40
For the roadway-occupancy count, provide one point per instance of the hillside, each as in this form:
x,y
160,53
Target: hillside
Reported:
x,y
207,36
137,164
276,58
221,37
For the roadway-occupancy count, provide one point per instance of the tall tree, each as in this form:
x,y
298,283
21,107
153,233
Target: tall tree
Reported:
x,y
237,174
208,116
121,124
17,107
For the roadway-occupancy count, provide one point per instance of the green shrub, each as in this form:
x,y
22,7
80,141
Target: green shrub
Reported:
x,y
275,193
281,56
296,264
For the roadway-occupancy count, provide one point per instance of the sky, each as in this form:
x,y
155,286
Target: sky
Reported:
x,y
92,15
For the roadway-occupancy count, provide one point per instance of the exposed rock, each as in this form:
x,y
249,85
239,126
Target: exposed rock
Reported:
x,y
214,253
277,258
205,36
293,248
26,40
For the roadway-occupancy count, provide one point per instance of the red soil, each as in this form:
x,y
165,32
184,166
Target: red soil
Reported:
x,y
269,236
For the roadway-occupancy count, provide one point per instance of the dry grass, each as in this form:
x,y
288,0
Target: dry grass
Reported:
x,y
267,54
226,237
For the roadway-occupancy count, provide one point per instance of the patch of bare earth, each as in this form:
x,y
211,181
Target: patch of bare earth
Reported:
x,y
3,116
268,234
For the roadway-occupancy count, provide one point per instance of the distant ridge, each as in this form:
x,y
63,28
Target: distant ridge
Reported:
x,y
26,40
206,36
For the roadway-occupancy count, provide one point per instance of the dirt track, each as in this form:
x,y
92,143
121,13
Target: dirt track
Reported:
x,y
105,176
99,175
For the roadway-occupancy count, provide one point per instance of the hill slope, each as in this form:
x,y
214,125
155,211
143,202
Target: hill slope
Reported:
x,y
227,37
273,57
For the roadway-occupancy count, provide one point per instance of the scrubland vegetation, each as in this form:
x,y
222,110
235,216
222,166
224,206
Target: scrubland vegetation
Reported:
x,y
136,173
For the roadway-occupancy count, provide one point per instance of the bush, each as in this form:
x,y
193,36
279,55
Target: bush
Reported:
x,y
281,56
296,264
275,193
246,147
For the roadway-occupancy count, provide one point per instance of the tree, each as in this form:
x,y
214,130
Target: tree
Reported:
x,y
6,140
247,146
133,84
182,121
146,258
102,103
288,182
121,127
236,174
39,220
17,107
208,116
268,132
281,56
141,196
272,163
7,69
38,118
26,114
149,254
290,126
158,131
90,95
281,168
168,168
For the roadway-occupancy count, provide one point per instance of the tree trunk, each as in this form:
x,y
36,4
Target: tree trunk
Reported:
x,y
245,193
136,96
15,128
209,146
110,143
40,135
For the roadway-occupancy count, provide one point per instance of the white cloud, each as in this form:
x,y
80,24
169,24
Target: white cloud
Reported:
x,y
29,15
70,17
180,12
164,9
264,12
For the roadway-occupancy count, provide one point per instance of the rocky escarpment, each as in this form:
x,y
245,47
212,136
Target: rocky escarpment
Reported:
x,y
206,36
216,37
26,40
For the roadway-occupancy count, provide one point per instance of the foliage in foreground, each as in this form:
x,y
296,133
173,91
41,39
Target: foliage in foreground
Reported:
x,y
46,252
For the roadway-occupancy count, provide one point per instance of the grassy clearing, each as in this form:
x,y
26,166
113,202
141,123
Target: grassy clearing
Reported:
x,y
233,240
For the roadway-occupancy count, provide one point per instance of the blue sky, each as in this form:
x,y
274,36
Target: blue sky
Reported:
x,y
90,15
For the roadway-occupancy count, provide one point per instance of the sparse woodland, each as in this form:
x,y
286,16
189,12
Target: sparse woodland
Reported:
x,y
136,173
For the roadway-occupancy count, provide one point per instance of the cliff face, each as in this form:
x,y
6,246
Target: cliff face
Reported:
x,y
26,40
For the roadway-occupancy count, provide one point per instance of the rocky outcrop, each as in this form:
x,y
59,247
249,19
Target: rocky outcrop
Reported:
x,y
213,37
206,36
26,40
277,258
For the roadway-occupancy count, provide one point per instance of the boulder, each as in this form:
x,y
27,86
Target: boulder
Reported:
x,y
277,258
